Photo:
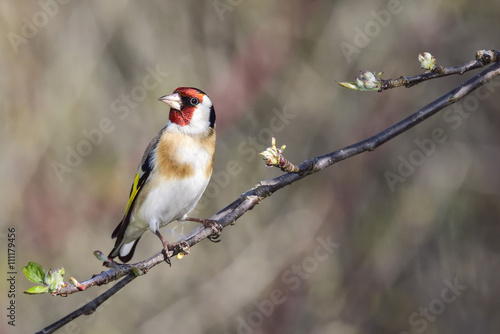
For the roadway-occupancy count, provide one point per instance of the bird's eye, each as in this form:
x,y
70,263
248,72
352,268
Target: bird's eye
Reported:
x,y
194,101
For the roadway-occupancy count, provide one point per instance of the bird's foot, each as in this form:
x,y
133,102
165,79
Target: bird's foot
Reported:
x,y
213,224
165,248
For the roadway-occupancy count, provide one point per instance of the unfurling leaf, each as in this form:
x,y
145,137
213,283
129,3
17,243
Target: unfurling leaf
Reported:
x,y
34,290
34,272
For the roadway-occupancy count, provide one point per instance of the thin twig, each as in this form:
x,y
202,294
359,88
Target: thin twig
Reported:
x,y
373,82
483,58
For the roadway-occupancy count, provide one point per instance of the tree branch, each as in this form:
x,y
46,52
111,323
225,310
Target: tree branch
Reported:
x,y
266,188
373,82
483,58
88,308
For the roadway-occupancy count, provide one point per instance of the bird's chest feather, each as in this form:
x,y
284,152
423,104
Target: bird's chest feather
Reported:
x,y
183,170
181,156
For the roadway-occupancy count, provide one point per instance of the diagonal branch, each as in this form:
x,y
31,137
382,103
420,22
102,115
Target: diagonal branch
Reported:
x,y
264,189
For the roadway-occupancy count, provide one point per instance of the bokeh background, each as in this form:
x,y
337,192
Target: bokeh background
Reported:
x,y
343,251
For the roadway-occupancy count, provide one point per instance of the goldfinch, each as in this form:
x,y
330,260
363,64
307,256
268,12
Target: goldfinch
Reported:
x,y
173,173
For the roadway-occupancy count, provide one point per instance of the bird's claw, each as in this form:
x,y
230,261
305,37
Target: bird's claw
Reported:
x,y
216,229
213,224
166,256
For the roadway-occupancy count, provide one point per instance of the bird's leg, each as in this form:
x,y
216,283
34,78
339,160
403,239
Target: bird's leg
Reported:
x,y
165,247
213,224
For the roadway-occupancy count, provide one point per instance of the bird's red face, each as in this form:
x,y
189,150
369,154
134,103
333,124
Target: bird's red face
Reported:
x,y
183,103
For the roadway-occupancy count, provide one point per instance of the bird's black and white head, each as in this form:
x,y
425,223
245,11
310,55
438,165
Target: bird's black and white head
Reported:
x,y
191,110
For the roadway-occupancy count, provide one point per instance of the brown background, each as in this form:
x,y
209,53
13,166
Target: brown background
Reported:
x,y
396,248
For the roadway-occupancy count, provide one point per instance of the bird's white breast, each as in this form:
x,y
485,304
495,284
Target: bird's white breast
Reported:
x,y
170,198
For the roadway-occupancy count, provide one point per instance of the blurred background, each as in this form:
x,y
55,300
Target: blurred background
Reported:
x,y
400,240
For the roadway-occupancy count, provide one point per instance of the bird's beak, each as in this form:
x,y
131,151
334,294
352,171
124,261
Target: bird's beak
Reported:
x,y
173,100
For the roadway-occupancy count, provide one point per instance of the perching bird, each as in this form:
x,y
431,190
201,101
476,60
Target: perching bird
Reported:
x,y
173,173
